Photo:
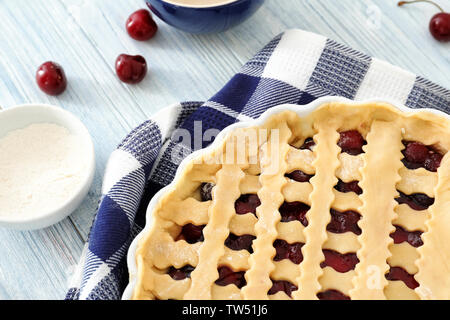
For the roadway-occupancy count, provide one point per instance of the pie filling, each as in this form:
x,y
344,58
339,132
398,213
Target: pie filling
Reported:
x,y
227,276
299,176
285,250
257,236
291,211
247,203
418,155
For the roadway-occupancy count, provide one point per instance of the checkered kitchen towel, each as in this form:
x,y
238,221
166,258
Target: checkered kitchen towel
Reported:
x,y
296,67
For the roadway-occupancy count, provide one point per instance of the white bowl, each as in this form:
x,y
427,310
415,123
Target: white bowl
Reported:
x,y
22,116
301,110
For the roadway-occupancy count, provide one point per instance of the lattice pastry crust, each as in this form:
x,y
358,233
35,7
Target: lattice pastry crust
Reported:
x,y
380,173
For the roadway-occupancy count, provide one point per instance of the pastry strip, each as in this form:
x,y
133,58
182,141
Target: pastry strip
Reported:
x,y
377,210
318,216
215,232
272,181
433,275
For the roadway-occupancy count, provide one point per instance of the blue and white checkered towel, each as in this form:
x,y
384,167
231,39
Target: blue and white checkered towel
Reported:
x,y
296,67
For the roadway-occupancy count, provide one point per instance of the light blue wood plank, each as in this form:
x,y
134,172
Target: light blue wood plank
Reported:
x,y
86,36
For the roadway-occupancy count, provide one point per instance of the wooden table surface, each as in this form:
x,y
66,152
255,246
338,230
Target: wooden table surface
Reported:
x,y
86,36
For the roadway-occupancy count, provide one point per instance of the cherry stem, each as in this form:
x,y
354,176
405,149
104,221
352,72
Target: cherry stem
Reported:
x,y
401,3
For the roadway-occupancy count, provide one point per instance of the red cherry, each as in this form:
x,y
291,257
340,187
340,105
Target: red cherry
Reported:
x,y
433,162
351,142
247,203
141,26
191,233
338,261
348,187
131,69
416,152
228,276
238,243
291,211
180,274
332,295
285,250
439,24
51,78
398,273
417,201
282,285
412,237
299,176
342,222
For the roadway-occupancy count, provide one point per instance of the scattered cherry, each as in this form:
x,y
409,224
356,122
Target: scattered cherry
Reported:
x,y
141,26
439,23
131,69
51,78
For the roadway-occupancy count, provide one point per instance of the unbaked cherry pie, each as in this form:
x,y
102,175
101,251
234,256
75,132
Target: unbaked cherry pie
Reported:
x,y
357,206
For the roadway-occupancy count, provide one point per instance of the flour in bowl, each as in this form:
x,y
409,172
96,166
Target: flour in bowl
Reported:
x,y
41,167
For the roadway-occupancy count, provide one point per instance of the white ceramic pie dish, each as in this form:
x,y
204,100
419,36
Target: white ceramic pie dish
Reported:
x,y
302,111
21,116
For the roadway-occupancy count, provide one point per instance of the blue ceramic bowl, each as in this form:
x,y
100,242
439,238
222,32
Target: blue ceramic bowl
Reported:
x,y
204,19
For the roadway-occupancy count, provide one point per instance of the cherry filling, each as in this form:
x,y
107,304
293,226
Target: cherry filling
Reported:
x,y
433,162
351,142
237,243
291,211
412,237
332,295
206,191
191,233
339,262
418,155
180,274
282,285
247,203
299,176
342,222
308,144
228,276
285,250
417,201
397,273
348,187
